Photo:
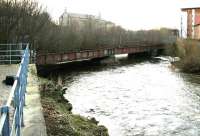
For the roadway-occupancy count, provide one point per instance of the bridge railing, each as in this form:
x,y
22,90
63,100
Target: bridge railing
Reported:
x,y
11,120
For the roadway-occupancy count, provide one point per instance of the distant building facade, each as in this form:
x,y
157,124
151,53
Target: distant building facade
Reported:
x,y
193,22
68,19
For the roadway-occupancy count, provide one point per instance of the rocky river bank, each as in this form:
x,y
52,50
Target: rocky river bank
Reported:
x,y
60,121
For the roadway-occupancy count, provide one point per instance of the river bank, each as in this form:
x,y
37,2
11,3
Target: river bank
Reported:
x,y
189,53
60,121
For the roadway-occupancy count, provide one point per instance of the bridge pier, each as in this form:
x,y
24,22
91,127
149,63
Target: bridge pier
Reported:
x,y
110,60
98,60
161,51
156,52
153,53
139,55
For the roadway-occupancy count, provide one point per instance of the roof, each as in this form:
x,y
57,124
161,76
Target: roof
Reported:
x,y
184,9
190,4
78,15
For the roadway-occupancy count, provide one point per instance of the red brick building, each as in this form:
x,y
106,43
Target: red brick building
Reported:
x,y
193,22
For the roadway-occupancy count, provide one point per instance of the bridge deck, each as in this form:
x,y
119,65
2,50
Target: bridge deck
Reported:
x,y
58,58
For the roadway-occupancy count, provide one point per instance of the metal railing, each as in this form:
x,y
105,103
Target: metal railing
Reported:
x,y
11,53
11,120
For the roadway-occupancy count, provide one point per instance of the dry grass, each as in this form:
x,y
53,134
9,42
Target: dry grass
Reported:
x,y
189,52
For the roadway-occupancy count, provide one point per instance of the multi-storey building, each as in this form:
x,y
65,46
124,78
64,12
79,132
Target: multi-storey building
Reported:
x,y
193,22
69,19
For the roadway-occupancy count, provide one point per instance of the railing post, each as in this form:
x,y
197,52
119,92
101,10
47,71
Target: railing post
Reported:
x,y
17,105
10,48
22,91
6,126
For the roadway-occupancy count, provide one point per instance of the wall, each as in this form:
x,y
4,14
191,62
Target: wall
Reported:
x,y
189,23
193,23
197,24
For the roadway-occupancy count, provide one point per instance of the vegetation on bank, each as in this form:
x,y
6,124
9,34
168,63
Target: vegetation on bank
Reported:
x,y
58,116
189,53
27,21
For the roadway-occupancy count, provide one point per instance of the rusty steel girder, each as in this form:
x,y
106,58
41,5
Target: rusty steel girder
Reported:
x,y
59,58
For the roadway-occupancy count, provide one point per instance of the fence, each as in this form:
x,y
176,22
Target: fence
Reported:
x,y
11,119
11,53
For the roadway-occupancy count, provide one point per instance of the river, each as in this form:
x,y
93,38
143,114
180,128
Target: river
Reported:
x,y
137,98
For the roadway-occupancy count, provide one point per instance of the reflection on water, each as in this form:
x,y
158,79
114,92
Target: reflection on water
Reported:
x,y
145,98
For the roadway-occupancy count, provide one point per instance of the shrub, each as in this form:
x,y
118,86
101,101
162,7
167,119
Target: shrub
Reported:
x,y
189,52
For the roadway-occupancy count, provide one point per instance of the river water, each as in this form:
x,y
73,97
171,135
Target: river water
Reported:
x,y
137,98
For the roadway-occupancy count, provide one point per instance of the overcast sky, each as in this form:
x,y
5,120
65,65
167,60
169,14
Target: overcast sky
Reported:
x,y
130,14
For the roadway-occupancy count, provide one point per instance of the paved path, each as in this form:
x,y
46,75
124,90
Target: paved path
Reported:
x,y
33,114
4,89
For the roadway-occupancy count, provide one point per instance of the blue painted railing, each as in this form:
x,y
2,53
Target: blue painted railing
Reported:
x,y
11,120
